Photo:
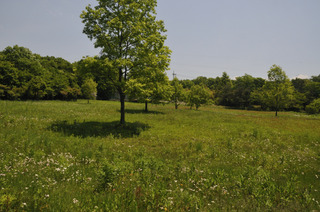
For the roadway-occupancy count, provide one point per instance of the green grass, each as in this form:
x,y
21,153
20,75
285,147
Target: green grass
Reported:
x,y
73,156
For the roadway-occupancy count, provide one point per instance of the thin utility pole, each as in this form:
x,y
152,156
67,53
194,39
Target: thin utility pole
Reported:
x,y
174,75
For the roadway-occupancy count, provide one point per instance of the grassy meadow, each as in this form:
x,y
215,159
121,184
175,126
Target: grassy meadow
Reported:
x,y
73,156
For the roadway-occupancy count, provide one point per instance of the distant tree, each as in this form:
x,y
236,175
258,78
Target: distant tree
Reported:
x,y
201,81
242,89
223,90
177,94
312,91
300,84
130,38
187,84
299,101
222,81
8,78
95,68
36,88
25,75
315,78
210,83
71,93
89,89
277,93
197,96
314,107
149,89
259,82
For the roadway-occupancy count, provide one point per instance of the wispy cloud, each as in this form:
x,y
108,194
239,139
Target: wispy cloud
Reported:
x,y
301,76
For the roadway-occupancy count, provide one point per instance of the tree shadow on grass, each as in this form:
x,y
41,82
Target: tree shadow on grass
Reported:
x,y
99,129
132,111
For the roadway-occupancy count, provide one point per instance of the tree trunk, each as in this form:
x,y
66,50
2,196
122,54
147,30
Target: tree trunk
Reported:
x,y
176,105
122,98
146,106
276,112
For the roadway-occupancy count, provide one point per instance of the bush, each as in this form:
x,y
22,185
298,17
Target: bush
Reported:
x,y
314,107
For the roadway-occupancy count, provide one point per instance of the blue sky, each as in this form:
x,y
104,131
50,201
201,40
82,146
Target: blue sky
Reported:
x,y
207,37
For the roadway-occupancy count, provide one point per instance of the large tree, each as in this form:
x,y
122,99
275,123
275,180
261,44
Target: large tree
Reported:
x,y
130,38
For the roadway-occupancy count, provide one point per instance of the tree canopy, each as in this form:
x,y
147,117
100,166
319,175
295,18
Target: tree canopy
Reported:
x,y
130,38
25,75
277,93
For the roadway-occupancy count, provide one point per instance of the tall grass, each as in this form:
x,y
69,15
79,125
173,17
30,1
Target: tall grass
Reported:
x,y
73,156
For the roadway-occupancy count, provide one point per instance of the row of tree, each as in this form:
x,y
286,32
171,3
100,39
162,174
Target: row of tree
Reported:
x,y
25,75
276,93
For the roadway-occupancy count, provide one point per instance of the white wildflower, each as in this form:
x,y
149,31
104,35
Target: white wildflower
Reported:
x,y
75,201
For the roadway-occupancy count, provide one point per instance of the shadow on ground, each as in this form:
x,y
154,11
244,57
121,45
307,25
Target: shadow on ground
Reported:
x,y
99,129
131,111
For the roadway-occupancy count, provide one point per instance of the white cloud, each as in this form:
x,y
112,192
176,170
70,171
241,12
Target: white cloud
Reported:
x,y
301,76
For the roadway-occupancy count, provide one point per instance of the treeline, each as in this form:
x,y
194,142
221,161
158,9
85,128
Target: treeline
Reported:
x,y
247,92
25,75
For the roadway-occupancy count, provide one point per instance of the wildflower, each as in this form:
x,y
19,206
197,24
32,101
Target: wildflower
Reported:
x,y
75,201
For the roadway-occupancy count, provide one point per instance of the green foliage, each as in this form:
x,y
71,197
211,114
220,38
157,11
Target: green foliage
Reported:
x,y
89,89
95,68
276,74
36,88
277,93
187,84
70,93
24,75
223,87
153,86
312,90
177,92
130,38
315,78
242,89
106,176
314,107
197,96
